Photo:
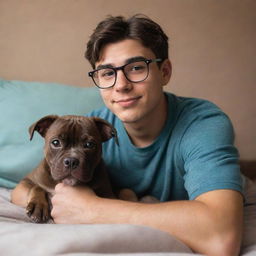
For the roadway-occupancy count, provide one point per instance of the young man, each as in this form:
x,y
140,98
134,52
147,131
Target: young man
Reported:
x,y
179,150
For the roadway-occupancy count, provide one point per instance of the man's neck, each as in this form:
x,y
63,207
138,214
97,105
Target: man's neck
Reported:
x,y
145,132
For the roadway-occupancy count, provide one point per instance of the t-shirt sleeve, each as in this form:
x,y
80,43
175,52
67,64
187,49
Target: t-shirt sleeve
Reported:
x,y
209,155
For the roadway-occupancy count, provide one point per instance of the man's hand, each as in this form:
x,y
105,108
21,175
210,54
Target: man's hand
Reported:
x,y
73,204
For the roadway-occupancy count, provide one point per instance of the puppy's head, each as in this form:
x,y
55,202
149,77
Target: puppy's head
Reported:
x,y
73,145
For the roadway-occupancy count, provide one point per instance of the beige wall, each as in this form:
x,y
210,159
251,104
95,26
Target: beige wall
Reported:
x,y
212,48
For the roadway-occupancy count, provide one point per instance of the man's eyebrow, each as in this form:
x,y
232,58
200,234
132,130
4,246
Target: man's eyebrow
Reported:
x,y
104,66
134,59
127,61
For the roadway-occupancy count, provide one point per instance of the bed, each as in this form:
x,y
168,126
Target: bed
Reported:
x,y
22,103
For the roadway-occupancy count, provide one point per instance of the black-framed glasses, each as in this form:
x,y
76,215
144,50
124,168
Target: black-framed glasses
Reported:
x,y
135,71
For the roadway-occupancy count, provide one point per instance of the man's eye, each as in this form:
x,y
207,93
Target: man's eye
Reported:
x,y
107,73
137,68
56,143
89,144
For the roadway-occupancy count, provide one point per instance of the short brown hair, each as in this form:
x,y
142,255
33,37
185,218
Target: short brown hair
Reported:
x,y
138,27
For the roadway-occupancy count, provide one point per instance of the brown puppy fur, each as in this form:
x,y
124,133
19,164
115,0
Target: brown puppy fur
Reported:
x,y
72,155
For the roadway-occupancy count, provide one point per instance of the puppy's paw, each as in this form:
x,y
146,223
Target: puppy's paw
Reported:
x,y
149,200
128,195
38,212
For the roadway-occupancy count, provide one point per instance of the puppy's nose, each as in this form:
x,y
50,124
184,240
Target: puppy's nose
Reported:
x,y
71,162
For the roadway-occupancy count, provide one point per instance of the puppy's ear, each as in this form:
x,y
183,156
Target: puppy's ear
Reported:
x,y
42,125
106,130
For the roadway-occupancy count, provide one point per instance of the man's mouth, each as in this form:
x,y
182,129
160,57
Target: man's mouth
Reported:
x,y
127,102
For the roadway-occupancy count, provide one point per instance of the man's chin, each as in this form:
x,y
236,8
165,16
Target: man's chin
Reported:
x,y
129,118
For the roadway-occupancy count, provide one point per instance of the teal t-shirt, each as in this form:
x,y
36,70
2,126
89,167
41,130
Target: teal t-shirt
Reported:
x,y
193,154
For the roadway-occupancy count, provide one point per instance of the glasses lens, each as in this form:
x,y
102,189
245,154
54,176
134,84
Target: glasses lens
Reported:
x,y
136,71
105,77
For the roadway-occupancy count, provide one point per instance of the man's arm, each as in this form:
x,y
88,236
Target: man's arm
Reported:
x,y
211,224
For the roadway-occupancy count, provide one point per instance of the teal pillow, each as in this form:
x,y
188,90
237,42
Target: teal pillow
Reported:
x,y
23,103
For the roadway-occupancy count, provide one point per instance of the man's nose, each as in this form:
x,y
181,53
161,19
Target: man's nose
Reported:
x,y
122,83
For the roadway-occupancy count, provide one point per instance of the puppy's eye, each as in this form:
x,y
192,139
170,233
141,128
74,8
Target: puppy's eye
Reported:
x,y
56,143
89,144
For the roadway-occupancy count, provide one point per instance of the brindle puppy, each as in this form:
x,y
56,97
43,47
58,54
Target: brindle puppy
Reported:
x,y
72,155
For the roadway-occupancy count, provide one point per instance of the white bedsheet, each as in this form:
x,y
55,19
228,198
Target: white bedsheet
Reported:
x,y
18,236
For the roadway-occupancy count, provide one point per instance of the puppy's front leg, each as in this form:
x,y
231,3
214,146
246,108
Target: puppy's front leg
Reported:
x,y
38,208
19,195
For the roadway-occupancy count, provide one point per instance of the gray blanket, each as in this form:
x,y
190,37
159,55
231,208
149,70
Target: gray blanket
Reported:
x,y
21,237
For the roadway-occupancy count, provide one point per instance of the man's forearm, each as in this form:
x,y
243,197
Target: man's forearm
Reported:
x,y
209,229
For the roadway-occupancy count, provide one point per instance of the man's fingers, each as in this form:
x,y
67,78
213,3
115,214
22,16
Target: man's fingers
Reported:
x,y
59,186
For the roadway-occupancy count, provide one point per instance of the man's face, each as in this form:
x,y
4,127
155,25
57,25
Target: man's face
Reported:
x,y
134,102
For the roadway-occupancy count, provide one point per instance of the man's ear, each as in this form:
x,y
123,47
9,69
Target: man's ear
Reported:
x,y
107,131
166,69
42,125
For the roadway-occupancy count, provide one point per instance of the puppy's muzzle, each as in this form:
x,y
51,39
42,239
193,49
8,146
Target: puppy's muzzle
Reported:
x,y
71,162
